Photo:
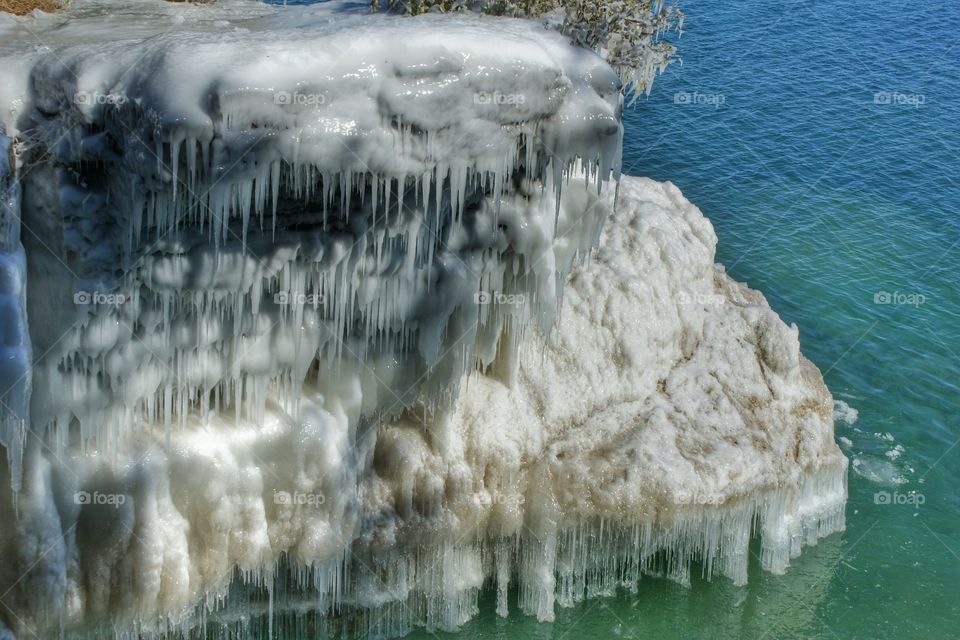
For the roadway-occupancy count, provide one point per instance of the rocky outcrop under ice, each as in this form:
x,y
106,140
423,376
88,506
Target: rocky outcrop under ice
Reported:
x,y
314,320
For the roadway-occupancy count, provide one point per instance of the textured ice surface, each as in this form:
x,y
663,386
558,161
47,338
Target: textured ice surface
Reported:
x,y
335,190
320,332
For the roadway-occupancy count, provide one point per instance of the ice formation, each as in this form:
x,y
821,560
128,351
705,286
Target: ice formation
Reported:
x,y
333,321
844,413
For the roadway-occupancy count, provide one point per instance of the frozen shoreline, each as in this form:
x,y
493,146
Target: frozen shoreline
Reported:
x,y
388,338
501,490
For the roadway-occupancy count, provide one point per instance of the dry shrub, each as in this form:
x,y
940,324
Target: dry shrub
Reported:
x,y
627,33
23,7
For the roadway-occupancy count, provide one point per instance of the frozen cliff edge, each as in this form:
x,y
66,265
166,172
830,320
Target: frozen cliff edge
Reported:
x,y
334,321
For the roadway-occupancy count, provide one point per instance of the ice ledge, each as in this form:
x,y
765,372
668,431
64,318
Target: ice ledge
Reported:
x,y
669,416
210,440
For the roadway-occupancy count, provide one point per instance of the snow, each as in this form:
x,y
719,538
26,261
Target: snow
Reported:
x,y
334,315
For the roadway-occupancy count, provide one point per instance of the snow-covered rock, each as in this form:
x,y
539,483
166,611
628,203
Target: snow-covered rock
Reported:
x,y
340,317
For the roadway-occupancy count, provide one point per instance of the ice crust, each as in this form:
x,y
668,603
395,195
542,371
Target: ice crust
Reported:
x,y
333,319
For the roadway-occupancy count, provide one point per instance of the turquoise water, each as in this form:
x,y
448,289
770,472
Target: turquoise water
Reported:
x,y
824,200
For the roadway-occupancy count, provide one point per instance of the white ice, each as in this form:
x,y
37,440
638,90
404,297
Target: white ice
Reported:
x,y
334,315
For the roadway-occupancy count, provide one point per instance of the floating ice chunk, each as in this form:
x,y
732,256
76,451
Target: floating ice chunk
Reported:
x,y
844,412
895,453
878,471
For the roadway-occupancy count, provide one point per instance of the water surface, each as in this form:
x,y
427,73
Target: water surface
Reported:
x,y
822,138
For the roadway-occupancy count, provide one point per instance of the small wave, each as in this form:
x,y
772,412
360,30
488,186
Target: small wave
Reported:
x,y
878,471
895,453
